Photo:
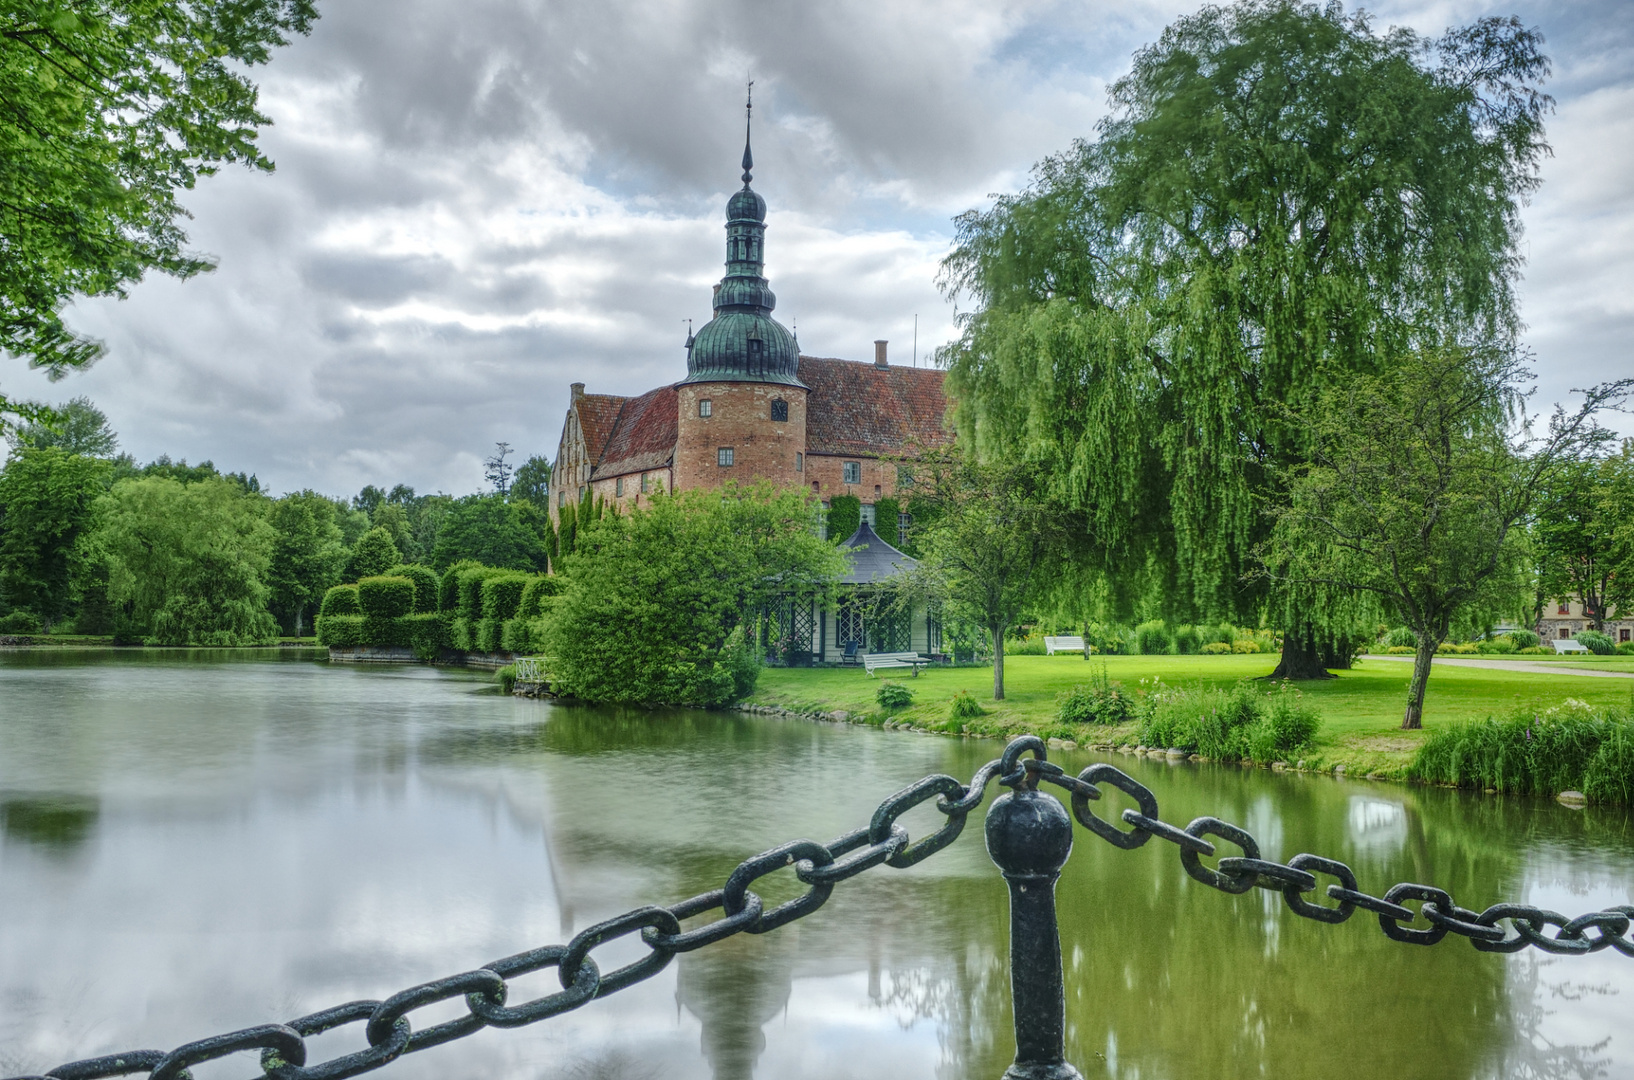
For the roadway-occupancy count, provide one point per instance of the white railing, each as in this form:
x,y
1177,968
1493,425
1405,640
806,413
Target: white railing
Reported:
x,y
532,669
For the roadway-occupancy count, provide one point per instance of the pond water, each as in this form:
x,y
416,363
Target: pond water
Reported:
x,y
197,843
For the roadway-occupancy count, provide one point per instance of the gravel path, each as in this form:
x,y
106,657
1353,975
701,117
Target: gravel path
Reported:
x,y
1515,665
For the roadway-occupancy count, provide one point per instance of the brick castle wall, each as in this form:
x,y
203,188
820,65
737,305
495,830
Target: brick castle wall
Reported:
x,y
740,418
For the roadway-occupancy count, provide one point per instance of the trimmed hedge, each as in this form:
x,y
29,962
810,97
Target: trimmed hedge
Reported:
x,y
540,589
487,634
501,596
385,597
425,584
340,600
341,631
471,580
448,586
460,636
425,632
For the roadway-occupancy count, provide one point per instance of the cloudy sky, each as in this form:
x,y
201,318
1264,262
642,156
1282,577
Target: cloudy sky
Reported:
x,y
480,202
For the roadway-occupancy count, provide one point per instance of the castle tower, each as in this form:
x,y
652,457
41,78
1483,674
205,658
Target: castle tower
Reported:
x,y
742,405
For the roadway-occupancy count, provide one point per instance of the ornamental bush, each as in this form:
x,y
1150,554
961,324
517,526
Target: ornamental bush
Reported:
x,y
965,707
486,636
425,632
893,695
502,595
1187,641
461,635
341,631
1498,646
1152,638
1523,639
516,635
1217,648
341,600
373,555
425,584
1597,643
471,582
1401,637
1100,701
385,597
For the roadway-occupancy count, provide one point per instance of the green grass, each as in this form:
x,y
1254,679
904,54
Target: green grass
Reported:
x,y
1361,709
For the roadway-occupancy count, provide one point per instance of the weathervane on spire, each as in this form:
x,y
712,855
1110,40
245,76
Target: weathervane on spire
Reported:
x,y
748,116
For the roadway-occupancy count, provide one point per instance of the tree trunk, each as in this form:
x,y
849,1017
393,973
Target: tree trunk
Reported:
x,y
1300,657
300,610
998,663
1414,719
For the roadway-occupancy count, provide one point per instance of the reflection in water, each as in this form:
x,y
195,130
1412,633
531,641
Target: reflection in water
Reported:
x,y
345,832
57,824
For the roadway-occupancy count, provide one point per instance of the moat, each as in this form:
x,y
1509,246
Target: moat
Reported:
x,y
197,842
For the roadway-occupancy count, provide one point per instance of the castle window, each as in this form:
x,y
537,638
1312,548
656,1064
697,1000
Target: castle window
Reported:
x,y
705,407
723,457
851,472
814,487
618,488
646,483
904,523
561,498
780,409
1564,609
799,462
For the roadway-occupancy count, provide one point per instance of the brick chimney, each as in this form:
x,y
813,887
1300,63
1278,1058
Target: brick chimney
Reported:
x,y
879,354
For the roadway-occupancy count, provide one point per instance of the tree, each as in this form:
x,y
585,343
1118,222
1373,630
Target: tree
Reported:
x,y
497,472
373,554
990,535
1582,532
1280,200
532,482
48,501
187,563
307,554
1419,485
78,427
494,532
660,602
110,107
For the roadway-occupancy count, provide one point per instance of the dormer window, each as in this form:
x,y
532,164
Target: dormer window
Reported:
x,y
705,407
780,409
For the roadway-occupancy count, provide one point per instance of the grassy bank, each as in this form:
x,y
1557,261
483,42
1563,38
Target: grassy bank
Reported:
x,y
1360,710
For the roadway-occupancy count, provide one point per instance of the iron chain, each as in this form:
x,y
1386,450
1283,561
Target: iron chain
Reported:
x,y
390,1033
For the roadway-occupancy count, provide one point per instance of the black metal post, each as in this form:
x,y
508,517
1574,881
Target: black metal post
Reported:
x,y
1029,836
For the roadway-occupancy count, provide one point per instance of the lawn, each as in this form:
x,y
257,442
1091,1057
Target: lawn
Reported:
x,y
1361,709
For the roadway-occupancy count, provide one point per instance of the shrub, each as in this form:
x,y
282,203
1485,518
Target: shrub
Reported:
x,y
487,635
1568,747
1249,645
1448,648
20,622
1031,646
966,707
1626,648
1523,639
385,630
1538,650
1230,724
1401,636
341,631
536,597
385,597
1100,701
893,695
502,595
507,677
1187,641
341,600
1152,638
1216,648
1498,646
1598,643
448,586
425,584
470,596
1109,640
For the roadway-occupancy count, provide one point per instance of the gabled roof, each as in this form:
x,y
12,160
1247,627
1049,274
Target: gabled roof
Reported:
x,y
597,415
643,435
868,411
872,559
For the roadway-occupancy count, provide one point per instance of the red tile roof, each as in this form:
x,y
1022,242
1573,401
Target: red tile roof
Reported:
x,y
597,415
863,410
643,436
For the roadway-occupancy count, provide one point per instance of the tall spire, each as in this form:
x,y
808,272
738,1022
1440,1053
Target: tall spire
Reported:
x,y
748,116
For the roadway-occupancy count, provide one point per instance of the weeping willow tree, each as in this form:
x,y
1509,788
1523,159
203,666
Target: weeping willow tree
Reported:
x,y
1280,199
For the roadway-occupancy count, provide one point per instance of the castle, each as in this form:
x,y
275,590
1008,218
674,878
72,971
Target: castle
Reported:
x,y
751,406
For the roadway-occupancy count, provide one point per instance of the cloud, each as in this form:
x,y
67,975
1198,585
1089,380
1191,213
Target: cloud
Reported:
x,y
479,203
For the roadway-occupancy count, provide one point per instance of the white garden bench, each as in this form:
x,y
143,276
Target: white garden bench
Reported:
x,y
873,661
1070,643
1566,645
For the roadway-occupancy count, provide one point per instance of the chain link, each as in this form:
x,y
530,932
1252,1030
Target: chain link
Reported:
x,y
883,841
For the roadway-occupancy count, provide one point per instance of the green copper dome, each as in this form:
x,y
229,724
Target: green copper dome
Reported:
x,y
743,343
